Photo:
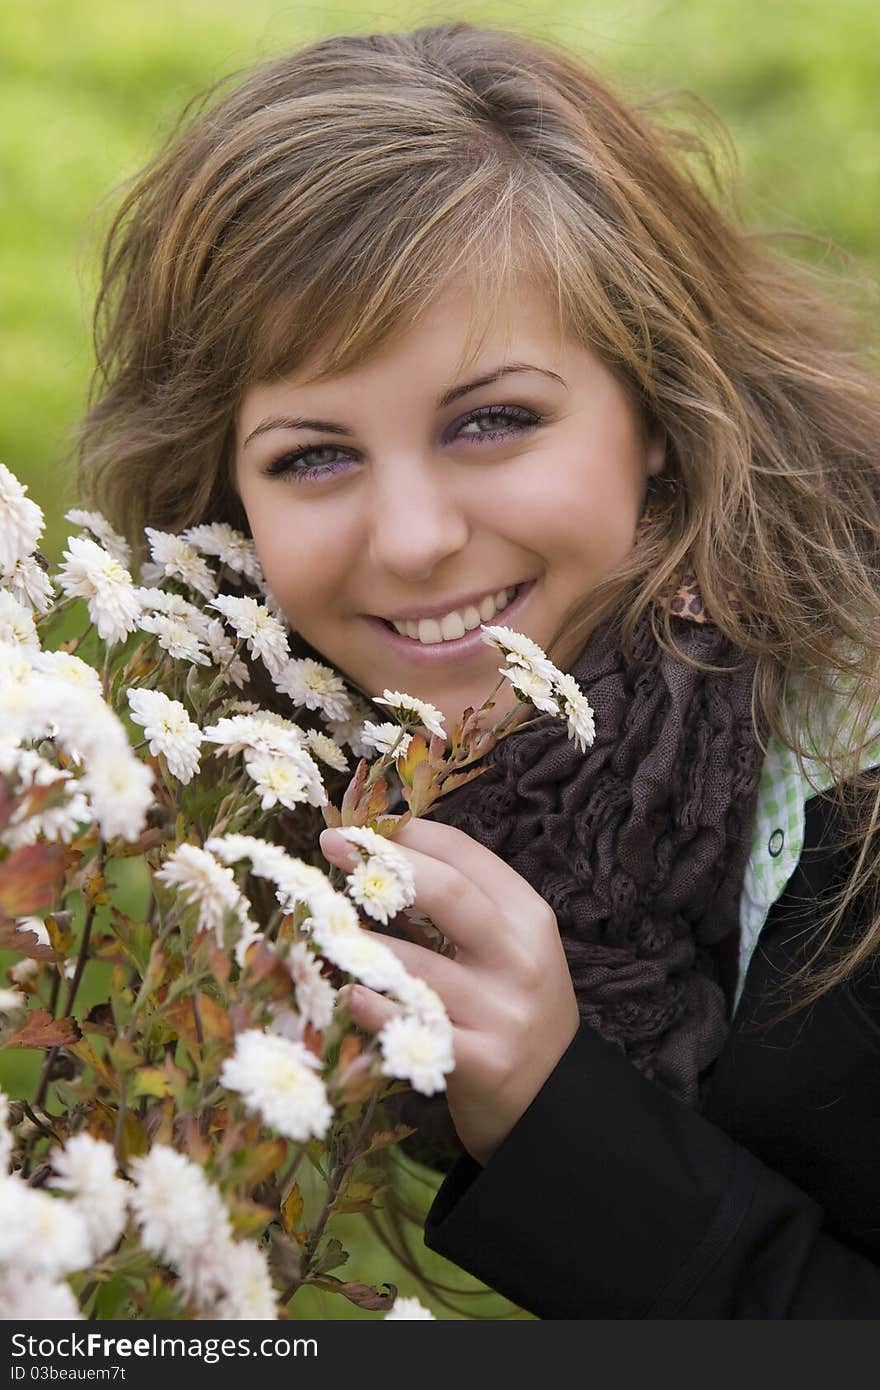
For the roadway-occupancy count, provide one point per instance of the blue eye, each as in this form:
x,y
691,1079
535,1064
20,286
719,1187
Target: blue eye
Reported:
x,y
292,464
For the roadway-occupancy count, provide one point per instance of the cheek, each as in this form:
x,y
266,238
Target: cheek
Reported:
x,y
285,548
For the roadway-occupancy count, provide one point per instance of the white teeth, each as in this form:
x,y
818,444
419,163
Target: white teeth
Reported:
x,y
429,630
455,624
452,626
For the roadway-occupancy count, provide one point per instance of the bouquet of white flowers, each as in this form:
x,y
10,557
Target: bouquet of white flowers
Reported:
x,y
156,1171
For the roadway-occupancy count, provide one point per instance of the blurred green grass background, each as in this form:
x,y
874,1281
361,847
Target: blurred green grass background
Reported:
x,y
89,87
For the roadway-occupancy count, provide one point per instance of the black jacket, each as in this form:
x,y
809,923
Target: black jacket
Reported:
x,y
612,1199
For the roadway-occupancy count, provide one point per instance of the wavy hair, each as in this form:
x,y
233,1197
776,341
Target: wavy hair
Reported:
x,y
308,210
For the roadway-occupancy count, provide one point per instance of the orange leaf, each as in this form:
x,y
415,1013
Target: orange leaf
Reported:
x,y
292,1210
213,1018
40,1029
25,943
31,878
313,1039
262,1161
349,1050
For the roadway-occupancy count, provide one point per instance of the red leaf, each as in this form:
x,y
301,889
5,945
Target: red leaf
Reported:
x,y
31,878
363,1295
40,1029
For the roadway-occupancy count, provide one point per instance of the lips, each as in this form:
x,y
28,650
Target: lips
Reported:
x,y
413,652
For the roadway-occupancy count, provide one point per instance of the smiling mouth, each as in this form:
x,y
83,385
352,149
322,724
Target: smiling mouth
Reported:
x,y
458,622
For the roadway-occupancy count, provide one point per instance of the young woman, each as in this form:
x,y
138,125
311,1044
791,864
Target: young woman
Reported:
x,y
459,337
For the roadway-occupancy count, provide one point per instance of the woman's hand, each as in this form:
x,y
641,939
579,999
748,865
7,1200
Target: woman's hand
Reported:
x,y
508,991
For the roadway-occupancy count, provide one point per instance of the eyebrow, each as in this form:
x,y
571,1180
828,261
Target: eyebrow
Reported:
x,y
296,422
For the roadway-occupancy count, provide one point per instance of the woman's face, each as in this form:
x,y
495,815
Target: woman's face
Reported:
x,y
421,497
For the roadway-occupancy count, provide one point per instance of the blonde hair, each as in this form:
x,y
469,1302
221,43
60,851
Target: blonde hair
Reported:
x,y
319,204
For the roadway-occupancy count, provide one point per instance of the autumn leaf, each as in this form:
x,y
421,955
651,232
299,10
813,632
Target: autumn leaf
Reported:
x,y
261,1162
31,878
41,1030
363,1295
291,1212
24,942
416,753
383,1137
213,1018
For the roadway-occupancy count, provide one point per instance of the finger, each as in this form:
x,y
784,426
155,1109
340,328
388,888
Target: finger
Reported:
x,y
506,888
455,903
461,990
369,1010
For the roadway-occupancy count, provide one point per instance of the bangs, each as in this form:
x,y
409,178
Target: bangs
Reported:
x,y
360,292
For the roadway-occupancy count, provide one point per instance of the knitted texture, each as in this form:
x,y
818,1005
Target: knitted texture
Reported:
x,y
639,844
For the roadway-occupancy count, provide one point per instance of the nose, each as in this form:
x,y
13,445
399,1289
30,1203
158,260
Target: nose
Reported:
x,y
415,519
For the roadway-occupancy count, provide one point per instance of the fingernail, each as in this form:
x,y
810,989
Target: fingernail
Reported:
x,y
335,846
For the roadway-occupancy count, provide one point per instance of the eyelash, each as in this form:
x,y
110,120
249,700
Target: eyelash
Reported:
x,y
286,464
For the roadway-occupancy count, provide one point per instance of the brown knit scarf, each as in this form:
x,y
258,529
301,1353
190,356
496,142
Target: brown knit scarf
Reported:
x,y
639,844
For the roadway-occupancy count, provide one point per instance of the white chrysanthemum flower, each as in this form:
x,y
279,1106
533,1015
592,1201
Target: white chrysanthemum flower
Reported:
x,y
361,954
370,842
350,731
295,881
253,623
170,730
181,1215
376,886
36,1299
232,548
276,1078
21,521
120,790
28,582
17,623
250,932
40,1234
92,573
243,1272
11,1000
152,599
64,666
324,748
408,1309
175,637
418,1052
534,689
410,711
260,732
315,996
519,650
333,916
224,655
287,1023
24,970
285,780
205,883
86,1168
424,1003
175,558
103,533
34,704
384,737
54,823
577,710
314,685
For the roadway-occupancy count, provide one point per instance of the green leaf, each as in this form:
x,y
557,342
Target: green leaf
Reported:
x,y
331,1257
